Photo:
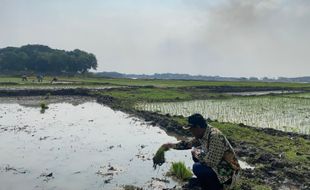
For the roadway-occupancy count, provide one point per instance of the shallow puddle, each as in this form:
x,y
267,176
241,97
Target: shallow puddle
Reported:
x,y
80,146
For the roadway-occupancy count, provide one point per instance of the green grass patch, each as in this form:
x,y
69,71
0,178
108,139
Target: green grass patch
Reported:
x,y
298,95
188,83
148,95
295,149
156,82
250,184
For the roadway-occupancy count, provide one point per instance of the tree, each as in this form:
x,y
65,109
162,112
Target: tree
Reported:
x,y
43,59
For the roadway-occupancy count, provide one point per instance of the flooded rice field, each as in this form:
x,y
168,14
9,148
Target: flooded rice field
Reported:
x,y
78,144
299,95
259,93
287,113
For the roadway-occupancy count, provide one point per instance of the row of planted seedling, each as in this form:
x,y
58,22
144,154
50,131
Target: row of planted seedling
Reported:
x,y
282,113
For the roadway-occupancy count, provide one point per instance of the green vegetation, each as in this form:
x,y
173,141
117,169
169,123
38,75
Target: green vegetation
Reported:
x,y
192,83
131,96
299,95
250,184
179,170
285,113
42,59
159,157
80,79
295,150
43,106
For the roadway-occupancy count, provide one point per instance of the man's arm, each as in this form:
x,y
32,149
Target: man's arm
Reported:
x,y
182,145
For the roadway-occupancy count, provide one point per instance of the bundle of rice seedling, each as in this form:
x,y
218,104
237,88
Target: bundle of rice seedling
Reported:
x,y
179,170
159,157
43,105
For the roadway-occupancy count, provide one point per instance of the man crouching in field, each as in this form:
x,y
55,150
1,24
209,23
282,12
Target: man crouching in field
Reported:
x,y
216,165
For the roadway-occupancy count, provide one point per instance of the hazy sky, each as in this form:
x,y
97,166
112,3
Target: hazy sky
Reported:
x,y
209,37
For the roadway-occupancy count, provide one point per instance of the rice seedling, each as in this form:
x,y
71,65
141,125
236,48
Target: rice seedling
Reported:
x,y
180,171
43,106
159,157
278,112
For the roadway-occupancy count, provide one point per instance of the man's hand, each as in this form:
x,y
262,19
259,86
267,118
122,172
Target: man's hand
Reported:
x,y
167,146
195,154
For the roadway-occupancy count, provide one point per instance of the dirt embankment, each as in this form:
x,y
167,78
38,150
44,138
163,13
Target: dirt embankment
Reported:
x,y
272,168
43,92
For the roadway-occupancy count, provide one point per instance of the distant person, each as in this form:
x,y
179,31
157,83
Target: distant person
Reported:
x,y
24,78
216,166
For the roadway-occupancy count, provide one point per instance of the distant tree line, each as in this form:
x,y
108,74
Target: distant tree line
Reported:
x,y
43,59
175,76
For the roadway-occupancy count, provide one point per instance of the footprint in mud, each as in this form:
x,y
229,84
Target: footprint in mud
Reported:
x,y
157,183
108,172
112,146
9,168
143,155
142,146
43,138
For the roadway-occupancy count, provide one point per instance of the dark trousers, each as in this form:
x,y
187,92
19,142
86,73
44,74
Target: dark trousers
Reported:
x,y
207,177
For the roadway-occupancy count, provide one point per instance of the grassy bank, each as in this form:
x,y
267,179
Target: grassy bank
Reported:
x,y
155,82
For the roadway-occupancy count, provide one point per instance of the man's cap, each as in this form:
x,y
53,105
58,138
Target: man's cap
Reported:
x,y
196,120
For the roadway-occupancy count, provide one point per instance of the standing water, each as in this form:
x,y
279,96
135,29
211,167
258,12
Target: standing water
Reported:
x,y
83,146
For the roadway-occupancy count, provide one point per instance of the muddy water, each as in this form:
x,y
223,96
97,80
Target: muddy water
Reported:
x,y
80,146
